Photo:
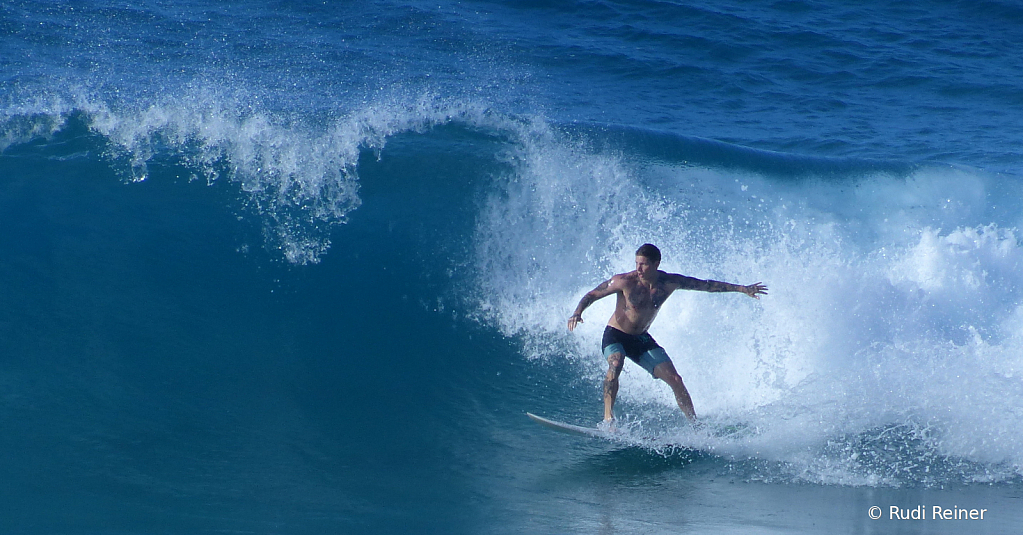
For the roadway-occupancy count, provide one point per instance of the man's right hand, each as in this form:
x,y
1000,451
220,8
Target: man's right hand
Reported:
x,y
576,319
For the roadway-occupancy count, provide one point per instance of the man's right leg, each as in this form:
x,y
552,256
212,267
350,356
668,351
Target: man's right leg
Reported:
x,y
614,369
666,372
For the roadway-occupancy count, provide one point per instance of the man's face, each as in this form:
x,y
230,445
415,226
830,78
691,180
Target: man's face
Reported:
x,y
645,266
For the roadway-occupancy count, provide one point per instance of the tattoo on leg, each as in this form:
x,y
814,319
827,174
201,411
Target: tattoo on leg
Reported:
x,y
611,383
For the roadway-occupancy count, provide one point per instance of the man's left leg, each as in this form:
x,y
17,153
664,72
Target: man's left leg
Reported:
x,y
665,371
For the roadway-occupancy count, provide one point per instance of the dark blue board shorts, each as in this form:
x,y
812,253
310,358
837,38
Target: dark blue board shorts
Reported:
x,y
641,348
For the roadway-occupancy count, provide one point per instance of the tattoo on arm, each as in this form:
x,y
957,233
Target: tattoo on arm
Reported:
x,y
717,286
592,296
690,283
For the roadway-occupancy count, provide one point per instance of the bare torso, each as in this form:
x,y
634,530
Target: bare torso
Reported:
x,y
639,300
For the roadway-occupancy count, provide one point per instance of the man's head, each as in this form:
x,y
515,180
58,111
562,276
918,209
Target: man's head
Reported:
x,y
651,252
648,258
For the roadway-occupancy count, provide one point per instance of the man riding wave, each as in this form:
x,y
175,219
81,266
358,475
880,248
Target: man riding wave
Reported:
x,y
640,296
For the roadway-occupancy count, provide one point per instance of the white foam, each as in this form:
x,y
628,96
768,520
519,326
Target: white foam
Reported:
x,y
894,300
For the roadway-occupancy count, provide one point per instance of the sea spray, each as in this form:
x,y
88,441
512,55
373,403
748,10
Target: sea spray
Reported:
x,y
893,304
299,176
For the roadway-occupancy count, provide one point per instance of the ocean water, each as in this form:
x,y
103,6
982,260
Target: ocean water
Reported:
x,y
302,267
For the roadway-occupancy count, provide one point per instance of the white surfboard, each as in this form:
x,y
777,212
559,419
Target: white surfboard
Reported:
x,y
568,428
635,437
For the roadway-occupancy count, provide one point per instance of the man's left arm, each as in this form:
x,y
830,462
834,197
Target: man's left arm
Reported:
x,y
754,290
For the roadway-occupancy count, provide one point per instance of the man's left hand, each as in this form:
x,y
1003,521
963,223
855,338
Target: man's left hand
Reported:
x,y
755,290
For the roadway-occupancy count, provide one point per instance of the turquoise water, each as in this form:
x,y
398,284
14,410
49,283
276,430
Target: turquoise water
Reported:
x,y
303,268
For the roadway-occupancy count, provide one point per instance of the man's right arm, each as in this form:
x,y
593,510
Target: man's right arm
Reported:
x,y
603,290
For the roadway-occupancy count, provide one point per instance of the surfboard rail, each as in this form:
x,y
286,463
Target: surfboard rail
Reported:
x,y
563,427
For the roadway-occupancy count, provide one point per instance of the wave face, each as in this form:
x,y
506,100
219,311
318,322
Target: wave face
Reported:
x,y
303,268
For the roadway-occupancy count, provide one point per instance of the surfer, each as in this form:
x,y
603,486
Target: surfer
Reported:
x,y
640,296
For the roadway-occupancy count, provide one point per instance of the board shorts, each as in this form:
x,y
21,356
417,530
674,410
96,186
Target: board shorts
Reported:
x,y
641,348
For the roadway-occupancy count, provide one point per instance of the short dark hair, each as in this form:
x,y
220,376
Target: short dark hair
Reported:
x,y
649,251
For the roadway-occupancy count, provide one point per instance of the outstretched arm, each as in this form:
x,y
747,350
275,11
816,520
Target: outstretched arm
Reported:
x,y
605,289
754,290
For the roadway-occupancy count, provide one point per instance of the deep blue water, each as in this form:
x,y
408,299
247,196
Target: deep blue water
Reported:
x,y
303,267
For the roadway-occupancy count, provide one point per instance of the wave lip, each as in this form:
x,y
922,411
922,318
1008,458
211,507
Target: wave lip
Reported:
x,y
300,175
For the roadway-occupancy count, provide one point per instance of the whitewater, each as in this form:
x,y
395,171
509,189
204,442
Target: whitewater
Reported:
x,y
304,269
